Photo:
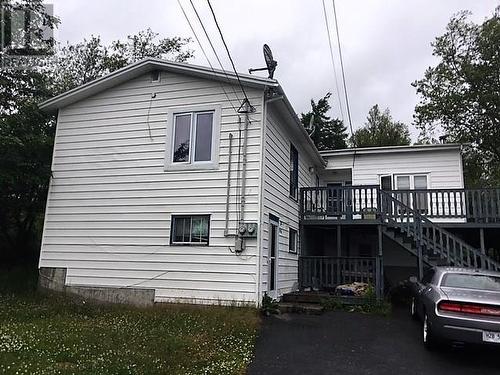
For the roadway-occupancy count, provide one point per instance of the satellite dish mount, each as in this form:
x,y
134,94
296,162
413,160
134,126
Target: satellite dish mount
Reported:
x,y
270,62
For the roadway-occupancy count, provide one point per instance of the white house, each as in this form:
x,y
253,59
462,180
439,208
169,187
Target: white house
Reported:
x,y
164,190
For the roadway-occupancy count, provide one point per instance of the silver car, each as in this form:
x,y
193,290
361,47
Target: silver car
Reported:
x,y
457,305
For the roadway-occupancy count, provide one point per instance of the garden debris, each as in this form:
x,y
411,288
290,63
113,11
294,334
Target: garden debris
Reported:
x,y
354,289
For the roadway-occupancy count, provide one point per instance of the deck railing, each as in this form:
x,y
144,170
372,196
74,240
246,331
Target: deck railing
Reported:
x,y
325,272
363,202
339,201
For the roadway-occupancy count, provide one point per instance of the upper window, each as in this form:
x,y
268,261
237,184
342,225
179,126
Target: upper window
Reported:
x,y
294,172
192,139
190,230
292,241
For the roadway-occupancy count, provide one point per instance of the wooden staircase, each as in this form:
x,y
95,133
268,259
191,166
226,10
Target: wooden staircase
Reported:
x,y
430,243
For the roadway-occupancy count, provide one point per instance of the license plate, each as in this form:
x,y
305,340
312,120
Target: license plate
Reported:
x,y
489,336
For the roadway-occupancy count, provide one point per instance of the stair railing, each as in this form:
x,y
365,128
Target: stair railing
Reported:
x,y
427,235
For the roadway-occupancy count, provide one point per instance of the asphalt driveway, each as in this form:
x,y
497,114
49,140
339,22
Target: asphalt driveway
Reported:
x,y
353,343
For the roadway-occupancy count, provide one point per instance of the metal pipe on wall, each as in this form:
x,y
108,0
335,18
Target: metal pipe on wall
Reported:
x,y
228,188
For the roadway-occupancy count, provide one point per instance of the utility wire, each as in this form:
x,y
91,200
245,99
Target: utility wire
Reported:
x,y
228,53
333,63
213,49
343,81
342,67
206,56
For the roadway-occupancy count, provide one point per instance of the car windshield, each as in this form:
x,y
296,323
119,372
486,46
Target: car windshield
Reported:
x,y
466,281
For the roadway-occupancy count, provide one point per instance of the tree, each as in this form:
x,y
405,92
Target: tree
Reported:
x,y
327,133
460,96
381,130
26,133
83,62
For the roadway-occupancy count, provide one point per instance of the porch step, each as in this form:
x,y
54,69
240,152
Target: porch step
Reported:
x,y
300,308
305,297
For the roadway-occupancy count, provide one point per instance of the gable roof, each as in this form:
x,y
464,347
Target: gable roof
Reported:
x,y
147,65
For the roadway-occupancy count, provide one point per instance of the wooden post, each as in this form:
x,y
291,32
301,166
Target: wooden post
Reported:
x,y
339,252
481,241
420,260
339,240
380,264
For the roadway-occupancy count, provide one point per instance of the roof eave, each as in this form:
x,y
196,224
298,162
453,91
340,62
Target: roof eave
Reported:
x,y
312,147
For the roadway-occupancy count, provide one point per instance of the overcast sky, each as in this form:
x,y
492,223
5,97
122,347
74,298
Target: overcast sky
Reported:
x,y
385,44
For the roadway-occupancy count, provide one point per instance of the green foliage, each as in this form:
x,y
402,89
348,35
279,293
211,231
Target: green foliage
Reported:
x,y
365,305
83,62
460,96
58,335
26,141
327,133
26,134
269,306
381,130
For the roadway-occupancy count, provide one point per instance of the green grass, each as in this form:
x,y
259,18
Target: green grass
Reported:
x,y
57,335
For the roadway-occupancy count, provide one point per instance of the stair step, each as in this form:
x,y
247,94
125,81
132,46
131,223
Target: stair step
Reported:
x,y
304,297
301,308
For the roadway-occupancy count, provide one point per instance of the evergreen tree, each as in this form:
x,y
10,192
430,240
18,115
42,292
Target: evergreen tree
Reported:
x,y
326,133
381,130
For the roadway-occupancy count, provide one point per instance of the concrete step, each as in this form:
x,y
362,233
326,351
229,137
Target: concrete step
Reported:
x,y
300,308
305,297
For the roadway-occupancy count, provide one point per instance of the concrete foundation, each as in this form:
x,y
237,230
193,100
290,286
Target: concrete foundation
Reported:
x,y
54,279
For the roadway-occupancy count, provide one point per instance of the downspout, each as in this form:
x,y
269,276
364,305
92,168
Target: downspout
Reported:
x,y
260,238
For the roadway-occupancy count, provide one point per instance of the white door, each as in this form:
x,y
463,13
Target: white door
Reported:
x,y
272,258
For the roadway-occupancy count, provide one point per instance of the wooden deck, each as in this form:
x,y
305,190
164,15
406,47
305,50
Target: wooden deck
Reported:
x,y
362,205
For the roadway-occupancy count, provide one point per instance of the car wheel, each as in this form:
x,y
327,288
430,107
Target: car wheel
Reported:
x,y
413,309
427,336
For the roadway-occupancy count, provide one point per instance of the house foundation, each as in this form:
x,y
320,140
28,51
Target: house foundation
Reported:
x,y
54,279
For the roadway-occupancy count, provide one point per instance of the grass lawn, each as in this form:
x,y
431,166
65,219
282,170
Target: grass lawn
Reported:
x,y
56,335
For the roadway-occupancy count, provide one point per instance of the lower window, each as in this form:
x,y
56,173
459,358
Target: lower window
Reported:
x,y
190,230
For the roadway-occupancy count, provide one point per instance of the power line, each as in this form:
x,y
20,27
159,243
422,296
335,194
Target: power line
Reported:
x,y
206,56
345,86
342,68
213,48
333,62
228,53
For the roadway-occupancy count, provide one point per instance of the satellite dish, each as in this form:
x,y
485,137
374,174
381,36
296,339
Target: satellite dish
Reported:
x,y
270,62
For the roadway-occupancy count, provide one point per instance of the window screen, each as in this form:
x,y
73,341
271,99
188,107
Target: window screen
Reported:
x,y
190,230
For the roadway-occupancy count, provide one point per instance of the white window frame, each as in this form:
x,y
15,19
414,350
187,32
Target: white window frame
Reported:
x,y
412,176
412,179
189,243
213,163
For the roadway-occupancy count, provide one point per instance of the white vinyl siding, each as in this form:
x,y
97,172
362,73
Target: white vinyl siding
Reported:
x,y
443,167
277,200
434,168
110,205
